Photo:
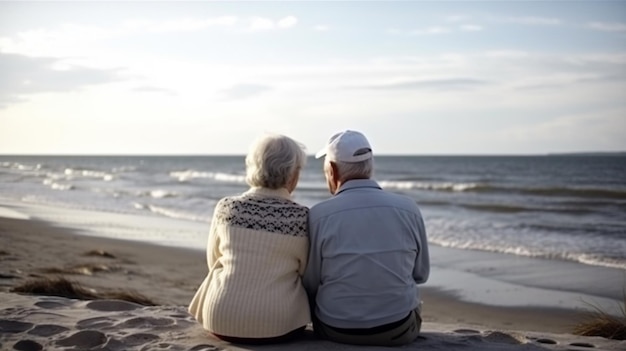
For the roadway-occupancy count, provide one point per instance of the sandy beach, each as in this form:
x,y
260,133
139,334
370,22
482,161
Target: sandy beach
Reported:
x,y
169,276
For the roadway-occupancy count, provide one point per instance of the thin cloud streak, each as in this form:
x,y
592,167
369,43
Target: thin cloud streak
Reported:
x,y
264,24
470,28
24,76
533,21
243,91
149,89
607,27
437,84
51,42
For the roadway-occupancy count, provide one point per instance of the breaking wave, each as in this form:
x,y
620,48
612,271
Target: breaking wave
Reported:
x,y
619,194
585,258
185,176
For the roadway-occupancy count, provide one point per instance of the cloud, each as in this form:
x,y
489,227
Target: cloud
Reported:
x,y
457,18
243,91
436,84
149,89
70,33
321,28
470,28
264,24
183,24
507,54
430,31
23,76
287,22
71,39
259,23
602,129
607,27
434,30
533,21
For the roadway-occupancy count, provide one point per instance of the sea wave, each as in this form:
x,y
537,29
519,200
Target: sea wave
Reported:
x,y
72,173
584,258
578,192
20,166
446,186
501,208
58,186
157,194
171,213
184,176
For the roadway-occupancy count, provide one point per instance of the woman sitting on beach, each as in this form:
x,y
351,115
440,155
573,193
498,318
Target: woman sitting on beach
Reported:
x,y
257,251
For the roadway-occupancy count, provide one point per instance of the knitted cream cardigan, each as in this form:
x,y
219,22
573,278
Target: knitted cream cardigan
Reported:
x,y
257,252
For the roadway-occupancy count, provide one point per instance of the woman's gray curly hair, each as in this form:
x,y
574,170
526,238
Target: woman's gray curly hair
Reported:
x,y
273,160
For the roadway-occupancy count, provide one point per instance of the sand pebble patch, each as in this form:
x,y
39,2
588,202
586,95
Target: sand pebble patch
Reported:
x,y
78,327
139,339
466,331
546,341
95,323
582,344
49,305
503,338
47,330
10,326
112,305
27,345
146,322
204,347
84,339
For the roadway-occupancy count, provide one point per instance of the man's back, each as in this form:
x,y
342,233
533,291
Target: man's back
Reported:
x,y
368,253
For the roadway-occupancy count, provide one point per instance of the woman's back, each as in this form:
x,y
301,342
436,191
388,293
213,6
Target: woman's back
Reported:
x,y
253,288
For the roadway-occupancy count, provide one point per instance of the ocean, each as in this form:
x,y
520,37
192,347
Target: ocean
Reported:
x,y
560,207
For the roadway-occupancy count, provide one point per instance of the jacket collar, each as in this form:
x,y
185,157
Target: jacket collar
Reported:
x,y
358,183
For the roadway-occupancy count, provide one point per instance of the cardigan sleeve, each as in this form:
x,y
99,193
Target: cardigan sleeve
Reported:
x,y
213,241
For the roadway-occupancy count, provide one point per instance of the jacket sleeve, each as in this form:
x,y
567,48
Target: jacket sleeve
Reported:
x,y
421,270
312,273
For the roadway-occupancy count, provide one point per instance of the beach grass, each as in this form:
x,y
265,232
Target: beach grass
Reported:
x,y
59,286
99,253
81,269
601,323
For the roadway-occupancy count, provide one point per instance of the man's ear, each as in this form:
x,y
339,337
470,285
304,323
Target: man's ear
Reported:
x,y
333,171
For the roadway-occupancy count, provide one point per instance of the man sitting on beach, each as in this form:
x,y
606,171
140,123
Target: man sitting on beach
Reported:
x,y
368,252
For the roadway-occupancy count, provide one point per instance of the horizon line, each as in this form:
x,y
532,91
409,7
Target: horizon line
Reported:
x,y
572,153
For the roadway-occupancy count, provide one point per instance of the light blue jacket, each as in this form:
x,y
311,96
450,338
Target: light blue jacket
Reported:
x,y
368,251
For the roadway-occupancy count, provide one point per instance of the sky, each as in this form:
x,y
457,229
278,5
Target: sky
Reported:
x,y
416,77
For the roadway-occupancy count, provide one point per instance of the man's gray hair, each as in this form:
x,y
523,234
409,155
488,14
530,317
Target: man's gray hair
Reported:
x,y
356,170
273,160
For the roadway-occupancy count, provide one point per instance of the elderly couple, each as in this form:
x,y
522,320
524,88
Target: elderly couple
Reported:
x,y
350,264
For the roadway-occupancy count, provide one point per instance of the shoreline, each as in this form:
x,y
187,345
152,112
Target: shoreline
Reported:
x,y
485,278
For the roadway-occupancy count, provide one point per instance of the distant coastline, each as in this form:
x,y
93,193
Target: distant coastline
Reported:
x,y
593,153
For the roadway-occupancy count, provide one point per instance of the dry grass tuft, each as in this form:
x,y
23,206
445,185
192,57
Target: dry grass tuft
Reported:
x,y
82,269
99,253
55,287
65,288
131,296
601,323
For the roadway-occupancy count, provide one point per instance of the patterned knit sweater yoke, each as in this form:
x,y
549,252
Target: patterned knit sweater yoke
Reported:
x,y
256,253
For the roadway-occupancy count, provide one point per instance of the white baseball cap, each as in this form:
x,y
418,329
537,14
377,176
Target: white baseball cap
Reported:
x,y
347,146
